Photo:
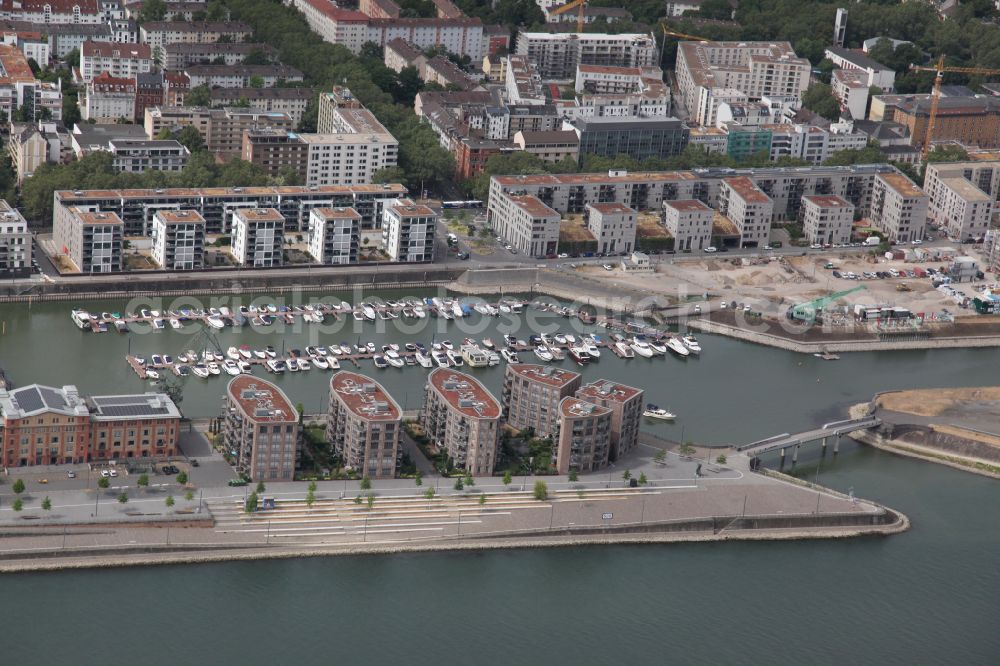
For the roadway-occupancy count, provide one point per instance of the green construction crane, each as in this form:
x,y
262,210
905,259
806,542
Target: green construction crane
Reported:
x,y
807,311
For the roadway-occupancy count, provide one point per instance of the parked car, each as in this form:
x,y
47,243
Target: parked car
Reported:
x,y
711,249
105,473
608,267
70,474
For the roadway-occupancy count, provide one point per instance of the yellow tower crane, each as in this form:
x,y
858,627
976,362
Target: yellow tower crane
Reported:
x,y
939,71
579,5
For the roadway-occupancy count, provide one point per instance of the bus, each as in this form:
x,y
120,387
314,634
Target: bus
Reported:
x,y
474,203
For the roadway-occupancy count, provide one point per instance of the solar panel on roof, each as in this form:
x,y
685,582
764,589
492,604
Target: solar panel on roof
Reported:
x,y
29,399
132,410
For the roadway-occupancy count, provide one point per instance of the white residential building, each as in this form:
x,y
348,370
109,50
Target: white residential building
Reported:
x,y
689,221
530,226
119,60
899,208
408,231
92,240
109,99
15,242
138,155
876,73
960,208
749,208
334,234
258,236
827,219
178,239
613,225
850,87
86,12
557,55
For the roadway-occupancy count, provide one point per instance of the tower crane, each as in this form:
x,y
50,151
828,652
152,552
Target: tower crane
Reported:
x,y
939,71
579,5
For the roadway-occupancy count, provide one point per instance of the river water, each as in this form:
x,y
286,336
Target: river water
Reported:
x,y
925,597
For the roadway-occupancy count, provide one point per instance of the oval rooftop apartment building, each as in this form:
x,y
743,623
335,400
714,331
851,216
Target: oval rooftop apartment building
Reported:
x,y
364,425
262,426
463,418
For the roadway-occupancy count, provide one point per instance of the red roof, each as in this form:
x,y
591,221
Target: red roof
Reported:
x,y
464,394
608,391
544,374
57,6
261,401
364,396
331,11
115,50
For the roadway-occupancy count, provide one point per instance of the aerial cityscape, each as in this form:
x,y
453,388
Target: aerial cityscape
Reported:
x,y
400,308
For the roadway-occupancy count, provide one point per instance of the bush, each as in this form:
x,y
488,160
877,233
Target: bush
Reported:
x,y
541,491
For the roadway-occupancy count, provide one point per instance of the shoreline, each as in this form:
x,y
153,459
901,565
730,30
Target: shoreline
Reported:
x,y
77,561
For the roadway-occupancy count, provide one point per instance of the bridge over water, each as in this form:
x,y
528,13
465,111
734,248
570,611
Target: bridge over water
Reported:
x,y
785,440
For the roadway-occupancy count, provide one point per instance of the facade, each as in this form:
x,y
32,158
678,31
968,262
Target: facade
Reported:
x,y
754,69
963,209
221,129
531,396
31,145
749,208
123,61
522,83
971,121
150,90
584,440
240,76
613,225
180,55
850,87
262,426
557,55
157,34
689,221
590,14
138,155
899,208
550,147
408,231
827,220
216,204
626,405
289,101
276,151
875,73
334,234
61,38
20,89
109,99
15,243
639,138
463,419
42,425
91,240
364,425
178,239
258,237
53,11
530,226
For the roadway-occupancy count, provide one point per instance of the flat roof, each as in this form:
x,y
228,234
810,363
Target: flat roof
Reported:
x,y
965,189
574,408
605,389
747,189
259,214
339,213
607,69
38,399
544,374
611,208
407,208
827,201
127,407
901,184
261,401
857,58
464,394
179,216
97,217
688,205
85,195
533,206
364,397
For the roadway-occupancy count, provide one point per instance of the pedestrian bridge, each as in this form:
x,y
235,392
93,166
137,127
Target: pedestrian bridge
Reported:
x,y
785,440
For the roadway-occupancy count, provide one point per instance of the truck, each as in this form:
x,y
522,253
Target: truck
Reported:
x,y
873,240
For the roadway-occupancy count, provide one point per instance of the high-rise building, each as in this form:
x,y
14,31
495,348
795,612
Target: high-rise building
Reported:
x,y
178,239
262,426
625,403
583,443
531,396
899,208
827,220
364,425
258,237
334,235
408,231
463,419
91,240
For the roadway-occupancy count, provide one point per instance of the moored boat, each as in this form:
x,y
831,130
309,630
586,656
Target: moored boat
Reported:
x,y
654,412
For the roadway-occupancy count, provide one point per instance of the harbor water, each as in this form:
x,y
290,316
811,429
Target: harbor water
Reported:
x,y
924,597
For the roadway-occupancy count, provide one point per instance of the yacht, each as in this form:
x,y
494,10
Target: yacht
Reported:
x,y
176,323
277,366
182,370
641,347
159,324
214,368
455,357
447,344
475,357
214,322
370,347
423,359
229,365
380,361
233,353
121,326
658,347
200,370
510,356
245,352
691,343
580,355
292,365
560,338
488,343
333,363
419,312
509,340
456,309
152,374
394,359
358,316
624,350
321,362
591,348
441,359
368,312
345,348
557,353
244,366
260,354
156,359
676,346
654,412
543,353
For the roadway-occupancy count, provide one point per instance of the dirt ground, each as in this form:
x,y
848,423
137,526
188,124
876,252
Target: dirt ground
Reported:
x,y
955,402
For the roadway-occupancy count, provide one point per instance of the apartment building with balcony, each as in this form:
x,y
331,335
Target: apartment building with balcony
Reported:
x,y
138,155
408,231
289,101
91,240
689,221
124,61
463,419
962,197
531,396
258,237
583,442
180,55
240,76
557,55
43,425
626,405
108,99
157,34
899,208
613,225
364,425
827,220
749,208
334,235
15,243
527,224
262,426
178,239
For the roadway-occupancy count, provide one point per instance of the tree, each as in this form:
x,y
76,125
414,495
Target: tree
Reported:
x,y
142,481
574,475
18,486
46,504
169,501
686,449
458,484
103,482
418,478
626,475
642,479
469,481
182,478
507,478
660,456
366,483
260,488
198,96
310,498
429,493
189,495
191,138
72,58
819,99
123,497
721,459
256,81
947,154
371,501
152,10
312,486
251,503
357,499
18,504
541,491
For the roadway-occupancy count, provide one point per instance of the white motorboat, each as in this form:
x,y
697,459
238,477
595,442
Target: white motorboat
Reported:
x,y
345,348
423,359
543,353
447,344
244,366
510,356
579,354
592,349
676,346
214,368
455,357
691,343
200,370
292,365
657,347
277,366
229,365
225,312
332,363
441,359
624,350
259,354
233,353
304,363
654,412
393,358
641,347
481,308
152,374
245,352
368,312
475,357
560,338
570,338
320,362
504,308
176,323
214,322
456,309
488,343
269,351
159,324
494,358
358,315
380,361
